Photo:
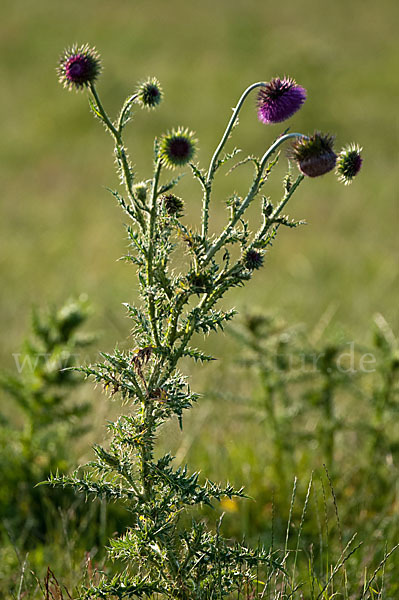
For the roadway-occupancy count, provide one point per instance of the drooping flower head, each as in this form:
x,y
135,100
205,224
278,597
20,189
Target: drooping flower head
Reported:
x,y
279,100
177,148
252,259
173,204
314,155
149,93
79,66
349,162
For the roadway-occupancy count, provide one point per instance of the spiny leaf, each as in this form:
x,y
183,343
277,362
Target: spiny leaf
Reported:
x,y
226,157
199,174
285,220
197,355
244,161
268,170
171,184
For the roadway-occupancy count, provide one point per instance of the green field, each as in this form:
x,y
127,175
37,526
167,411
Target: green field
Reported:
x,y
61,234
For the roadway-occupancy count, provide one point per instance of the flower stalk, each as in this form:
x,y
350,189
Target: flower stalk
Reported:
x,y
150,252
250,196
216,154
120,154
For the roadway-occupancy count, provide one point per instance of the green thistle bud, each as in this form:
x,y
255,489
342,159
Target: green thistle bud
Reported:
x,y
349,162
140,191
199,282
177,148
253,259
149,93
314,155
172,204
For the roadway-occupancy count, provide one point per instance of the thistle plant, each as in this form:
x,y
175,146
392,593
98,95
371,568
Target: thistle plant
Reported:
x,y
178,300
35,436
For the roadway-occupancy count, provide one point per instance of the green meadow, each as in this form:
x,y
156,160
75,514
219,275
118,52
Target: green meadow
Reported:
x,y
61,235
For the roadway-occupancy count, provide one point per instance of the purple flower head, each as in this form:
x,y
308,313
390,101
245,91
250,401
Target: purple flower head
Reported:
x,y
279,100
79,66
349,163
177,148
314,155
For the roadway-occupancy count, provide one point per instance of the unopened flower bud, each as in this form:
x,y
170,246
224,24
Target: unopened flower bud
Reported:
x,y
252,259
173,205
349,162
149,93
177,148
199,282
314,155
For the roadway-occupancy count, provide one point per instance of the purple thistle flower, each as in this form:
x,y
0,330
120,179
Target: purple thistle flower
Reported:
x,y
279,100
349,163
79,66
314,155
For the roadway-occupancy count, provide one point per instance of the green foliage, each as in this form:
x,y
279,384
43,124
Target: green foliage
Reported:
x,y
323,404
309,391
36,435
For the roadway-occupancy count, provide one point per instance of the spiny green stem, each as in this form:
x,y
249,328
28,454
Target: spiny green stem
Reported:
x,y
170,337
125,107
146,448
284,201
276,144
249,197
103,112
269,221
202,307
121,153
212,166
229,128
150,251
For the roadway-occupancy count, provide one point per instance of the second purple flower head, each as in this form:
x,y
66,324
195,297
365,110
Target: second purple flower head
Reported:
x,y
79,66
279,100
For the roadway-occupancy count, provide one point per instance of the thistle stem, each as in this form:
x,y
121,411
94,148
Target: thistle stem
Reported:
x,y
276,144
125,107
150,252
103,113
249,197
212,166
120,152
270,220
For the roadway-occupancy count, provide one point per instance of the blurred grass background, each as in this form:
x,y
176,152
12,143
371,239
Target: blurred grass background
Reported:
x,y
60,232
